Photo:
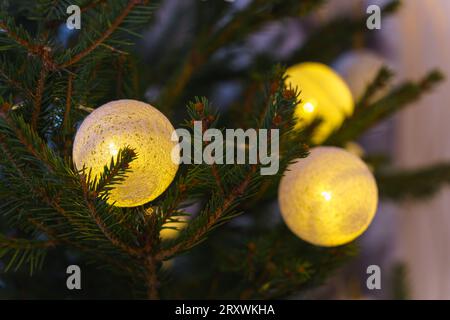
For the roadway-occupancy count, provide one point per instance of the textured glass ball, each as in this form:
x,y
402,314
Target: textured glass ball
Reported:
x,y
323,95
140,126
329,198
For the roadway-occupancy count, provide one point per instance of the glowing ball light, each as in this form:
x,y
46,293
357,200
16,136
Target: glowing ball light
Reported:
x,y
329,198
323,95
140,126
168,233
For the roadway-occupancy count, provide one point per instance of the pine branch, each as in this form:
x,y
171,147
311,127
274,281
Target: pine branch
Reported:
x,y
115,173
15,84
68,102
152,279
89,199
38,98
31,252
364,118
410,184
212,219
126,11
382,78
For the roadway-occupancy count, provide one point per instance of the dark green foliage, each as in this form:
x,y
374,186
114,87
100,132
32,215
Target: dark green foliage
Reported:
x,y
400,288
410,184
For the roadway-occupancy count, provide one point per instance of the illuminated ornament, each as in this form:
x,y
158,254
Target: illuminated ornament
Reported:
x,y
140,126
359,68
172,229
355,149
329,198
323,95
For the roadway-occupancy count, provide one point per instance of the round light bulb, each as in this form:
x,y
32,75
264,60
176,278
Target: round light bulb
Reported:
x,y
133,124
328,198
323,95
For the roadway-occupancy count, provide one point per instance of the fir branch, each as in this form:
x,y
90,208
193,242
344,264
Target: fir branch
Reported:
x,y
212,219
115,173
93,4
68,102
15,84
38,97
131,4
152,278
89,202
24,244
409,184
364,118
380,81
32,142
41,51
31,252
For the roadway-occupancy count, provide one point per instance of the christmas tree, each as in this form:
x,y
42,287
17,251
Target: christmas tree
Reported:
x,y
139,225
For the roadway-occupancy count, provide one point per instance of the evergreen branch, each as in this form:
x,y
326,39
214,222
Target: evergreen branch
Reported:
x,y
15,83
365,118
24,43
152,278
382,77
212,219
23,251
418,183
68,102
38,97
115,173
78,246
106,34
41,51
32,142
101,224
24,244
92,5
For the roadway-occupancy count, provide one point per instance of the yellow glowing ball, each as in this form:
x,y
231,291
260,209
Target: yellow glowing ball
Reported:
x,y
170,233
323,95
329,198
140,126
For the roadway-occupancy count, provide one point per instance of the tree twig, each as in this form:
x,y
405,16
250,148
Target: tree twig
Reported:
x,y
105,35
38,97
101,225
212,219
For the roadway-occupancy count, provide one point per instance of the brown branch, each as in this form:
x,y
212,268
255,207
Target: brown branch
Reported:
x,y
216,175
68,101
16,84
31,48
38,97
88,250
15,243
212,220
106,34
152,278
101,225
39,50
66,127
27,144
92,5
